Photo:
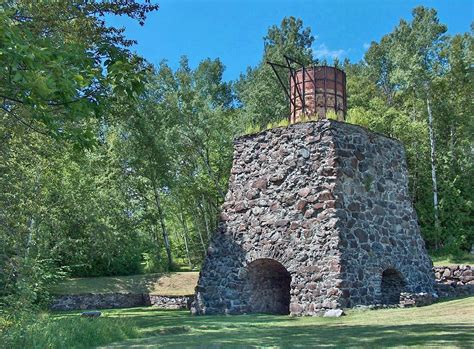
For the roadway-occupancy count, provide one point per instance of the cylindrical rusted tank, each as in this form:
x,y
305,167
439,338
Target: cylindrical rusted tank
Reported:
x,y
316,91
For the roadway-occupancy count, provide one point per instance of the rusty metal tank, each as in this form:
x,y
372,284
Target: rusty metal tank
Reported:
x,y
317,92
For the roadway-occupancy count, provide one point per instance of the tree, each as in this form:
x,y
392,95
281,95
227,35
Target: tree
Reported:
x,y
61,71
416,52
60,63
179,143
259,85
414,85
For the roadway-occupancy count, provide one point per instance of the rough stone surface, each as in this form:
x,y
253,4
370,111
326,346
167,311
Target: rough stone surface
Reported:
x,y
334,313
97,301
454,281
119,300
325,203
169,302
416,299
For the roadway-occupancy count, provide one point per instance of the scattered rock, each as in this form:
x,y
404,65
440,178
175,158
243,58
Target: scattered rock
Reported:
x,y
334,313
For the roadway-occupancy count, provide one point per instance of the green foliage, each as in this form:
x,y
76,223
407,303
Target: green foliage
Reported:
x,y
307,118
151,263
251,129
283,122
60,63
179,149
263,99
331,115
64,208
414,66
63,331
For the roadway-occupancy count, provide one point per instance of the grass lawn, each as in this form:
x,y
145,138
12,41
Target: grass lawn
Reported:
x,y
466,258
172,284
448,324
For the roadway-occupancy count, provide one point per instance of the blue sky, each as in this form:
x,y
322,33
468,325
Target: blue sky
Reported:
x,y
233,30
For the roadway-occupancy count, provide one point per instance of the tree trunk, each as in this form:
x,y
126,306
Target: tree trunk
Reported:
x,y
433,171
452,147
185,233
200,236
31,221
204,213
163,226
205,157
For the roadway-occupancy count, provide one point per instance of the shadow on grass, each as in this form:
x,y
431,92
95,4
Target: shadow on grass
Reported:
x,y
179,330
217,336
109,284
442,325
178,283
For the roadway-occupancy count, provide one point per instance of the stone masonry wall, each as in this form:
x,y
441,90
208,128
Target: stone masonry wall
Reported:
x,y
328,202
118,300
279,206
169,302
378,225
97,301
454,281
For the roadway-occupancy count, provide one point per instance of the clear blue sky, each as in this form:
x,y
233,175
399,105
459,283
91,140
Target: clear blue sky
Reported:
x,y
233,30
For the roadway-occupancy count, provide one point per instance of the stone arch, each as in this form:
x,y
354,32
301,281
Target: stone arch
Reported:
x,y
392,284
268,287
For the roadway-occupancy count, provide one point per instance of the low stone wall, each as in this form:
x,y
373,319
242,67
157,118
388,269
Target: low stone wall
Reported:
x,y
454,281
118,300
415,299
97,301
451,281
170,302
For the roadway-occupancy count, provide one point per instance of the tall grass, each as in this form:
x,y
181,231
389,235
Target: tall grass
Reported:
x,y
67,331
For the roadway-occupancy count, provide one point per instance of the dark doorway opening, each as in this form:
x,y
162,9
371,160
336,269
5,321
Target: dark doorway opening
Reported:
x,y
392,285
268,287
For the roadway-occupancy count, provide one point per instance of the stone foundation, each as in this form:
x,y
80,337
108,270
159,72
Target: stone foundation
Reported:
x,y
454,281
170,302
416,299
324,203
119,300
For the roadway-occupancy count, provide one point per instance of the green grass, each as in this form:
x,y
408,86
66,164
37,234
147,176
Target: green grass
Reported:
x,y
172,284
448,324
444,260
56,331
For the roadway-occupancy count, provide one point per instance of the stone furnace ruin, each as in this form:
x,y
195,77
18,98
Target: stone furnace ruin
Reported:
x,y
317,217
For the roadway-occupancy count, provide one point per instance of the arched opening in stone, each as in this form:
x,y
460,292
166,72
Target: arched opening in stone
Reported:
x,y
268,287
392,285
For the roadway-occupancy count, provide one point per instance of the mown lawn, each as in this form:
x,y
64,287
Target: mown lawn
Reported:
x,y
448,324
170,284
444,260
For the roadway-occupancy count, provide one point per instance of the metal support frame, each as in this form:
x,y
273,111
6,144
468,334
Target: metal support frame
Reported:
x,y
301,92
